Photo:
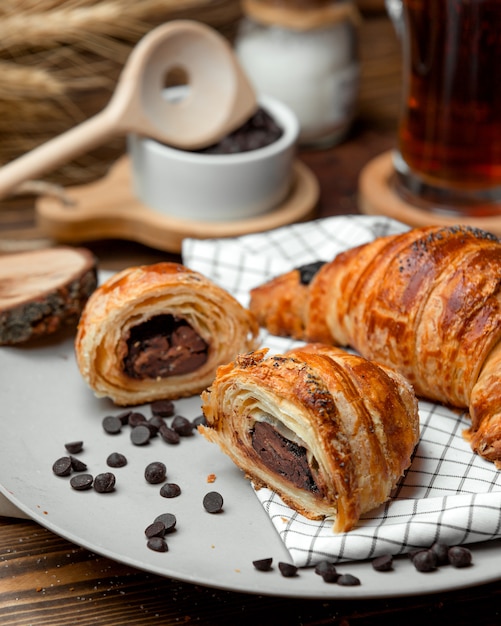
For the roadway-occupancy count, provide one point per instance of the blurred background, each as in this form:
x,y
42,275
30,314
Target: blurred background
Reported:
x,y
60,60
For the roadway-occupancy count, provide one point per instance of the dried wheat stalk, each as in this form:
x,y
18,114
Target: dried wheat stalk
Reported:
x,y
60,60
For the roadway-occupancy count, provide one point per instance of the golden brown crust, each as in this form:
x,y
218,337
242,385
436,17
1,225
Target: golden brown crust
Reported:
x,y
426,303
139,294
281,305
356,423
485,410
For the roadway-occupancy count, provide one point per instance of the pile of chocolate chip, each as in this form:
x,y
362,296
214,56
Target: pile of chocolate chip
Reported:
x,y
325,569
259,131
142,430
429,559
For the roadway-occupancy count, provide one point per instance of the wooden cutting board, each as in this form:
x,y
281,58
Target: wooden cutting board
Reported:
x,y
108,209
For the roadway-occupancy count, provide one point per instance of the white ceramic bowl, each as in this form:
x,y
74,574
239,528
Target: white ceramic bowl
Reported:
x,y
216,187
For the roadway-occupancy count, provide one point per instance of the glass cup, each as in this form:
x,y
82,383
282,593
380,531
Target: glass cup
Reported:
x,y
448,157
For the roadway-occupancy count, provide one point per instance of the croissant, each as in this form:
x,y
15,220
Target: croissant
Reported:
x,y
159,331
329,431
426,303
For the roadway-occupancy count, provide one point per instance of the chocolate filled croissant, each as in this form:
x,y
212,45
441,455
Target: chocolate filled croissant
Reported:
x,y
426,303
329,431
159,331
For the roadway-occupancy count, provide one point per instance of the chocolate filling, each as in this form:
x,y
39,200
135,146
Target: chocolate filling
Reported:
x,y
283,456
163,346
308,272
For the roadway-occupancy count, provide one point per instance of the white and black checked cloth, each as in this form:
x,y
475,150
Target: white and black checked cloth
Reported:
x,y
448,494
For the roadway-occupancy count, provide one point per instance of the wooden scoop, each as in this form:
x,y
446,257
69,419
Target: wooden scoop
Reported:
x,y
219,100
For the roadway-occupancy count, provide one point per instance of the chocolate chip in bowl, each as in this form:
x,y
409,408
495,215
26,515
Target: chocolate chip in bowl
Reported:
x,y
247,174
257,132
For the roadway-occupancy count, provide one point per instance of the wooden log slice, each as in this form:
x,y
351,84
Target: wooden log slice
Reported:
x,y
43,290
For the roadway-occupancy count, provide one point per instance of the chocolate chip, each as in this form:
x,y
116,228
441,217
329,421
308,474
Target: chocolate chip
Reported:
x,y
124,417
157,529
158,544
324,566
155,472
115,459
74,447
112,424
162,408
168,435
327,571
153,428
348,580
441,550
412,553
459,556
77,465
81,482
168,520
62,467
199,421
182,426
308,271
155,423
287,569
263,565
425,561
140,435
383,563
136,418
213,502
330,576
170,490
105,482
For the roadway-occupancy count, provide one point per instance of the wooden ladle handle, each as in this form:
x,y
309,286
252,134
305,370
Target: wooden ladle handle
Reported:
x,y
57,151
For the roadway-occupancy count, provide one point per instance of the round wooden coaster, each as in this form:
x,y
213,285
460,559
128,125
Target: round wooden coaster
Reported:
x,y
377,197
108,209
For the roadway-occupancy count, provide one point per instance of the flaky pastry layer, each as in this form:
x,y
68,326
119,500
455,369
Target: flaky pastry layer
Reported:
x,y
329,431
137,295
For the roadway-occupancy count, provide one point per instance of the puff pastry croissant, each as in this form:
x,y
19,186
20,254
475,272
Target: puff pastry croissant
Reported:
x,y
329,431
159,331
426,303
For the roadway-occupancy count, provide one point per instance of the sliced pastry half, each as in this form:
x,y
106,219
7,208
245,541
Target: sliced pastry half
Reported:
x,y
327,430
159,332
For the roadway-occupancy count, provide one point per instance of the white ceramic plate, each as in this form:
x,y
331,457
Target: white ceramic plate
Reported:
x,y
45,404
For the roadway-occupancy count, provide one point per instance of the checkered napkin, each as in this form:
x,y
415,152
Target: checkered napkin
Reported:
x,y
448,494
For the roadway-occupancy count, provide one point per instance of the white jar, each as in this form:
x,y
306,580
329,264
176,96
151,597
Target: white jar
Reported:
x,y
192,185
308,59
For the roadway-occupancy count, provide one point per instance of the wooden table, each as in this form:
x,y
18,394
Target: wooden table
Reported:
x,y
45,580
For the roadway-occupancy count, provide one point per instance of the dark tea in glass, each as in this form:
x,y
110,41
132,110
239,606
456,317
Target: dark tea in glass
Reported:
x,y
449,136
